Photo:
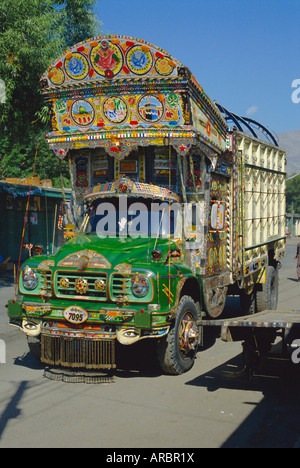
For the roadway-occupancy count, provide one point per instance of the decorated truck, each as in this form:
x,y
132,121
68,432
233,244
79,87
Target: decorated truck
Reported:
x,y
176,204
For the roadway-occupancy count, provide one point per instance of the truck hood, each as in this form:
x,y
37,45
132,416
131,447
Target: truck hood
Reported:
x,y
133,251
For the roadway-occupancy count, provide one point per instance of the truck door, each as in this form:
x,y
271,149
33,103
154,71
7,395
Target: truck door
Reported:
x,y
218,252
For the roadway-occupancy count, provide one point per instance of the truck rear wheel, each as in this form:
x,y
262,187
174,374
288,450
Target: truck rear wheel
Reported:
x,y
267,298
177,351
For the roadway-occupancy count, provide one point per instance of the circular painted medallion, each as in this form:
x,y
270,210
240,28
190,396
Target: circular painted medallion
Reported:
x,y
76,66
56,76
83,113
107,59
139,61
163,67
81,164
115,110
150,108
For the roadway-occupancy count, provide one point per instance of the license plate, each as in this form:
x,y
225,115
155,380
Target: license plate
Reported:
x,y
76,314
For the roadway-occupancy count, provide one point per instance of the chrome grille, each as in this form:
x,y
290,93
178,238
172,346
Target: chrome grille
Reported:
x,y
79,353
48,275
45,282
69,292
121,286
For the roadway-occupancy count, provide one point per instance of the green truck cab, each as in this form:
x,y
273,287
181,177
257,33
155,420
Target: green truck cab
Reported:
x,y
161,189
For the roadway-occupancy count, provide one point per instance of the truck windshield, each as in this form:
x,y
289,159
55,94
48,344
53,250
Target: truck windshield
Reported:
x,y
133,217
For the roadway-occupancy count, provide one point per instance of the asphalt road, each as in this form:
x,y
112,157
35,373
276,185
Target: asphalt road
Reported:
x,y
210,406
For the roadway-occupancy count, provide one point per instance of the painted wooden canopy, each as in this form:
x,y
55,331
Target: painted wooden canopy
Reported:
x,y
121,91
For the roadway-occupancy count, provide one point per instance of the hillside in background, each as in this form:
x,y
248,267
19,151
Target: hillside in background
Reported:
x,y
290,142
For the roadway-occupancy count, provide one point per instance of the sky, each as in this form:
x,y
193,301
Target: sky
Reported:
x,y
244,53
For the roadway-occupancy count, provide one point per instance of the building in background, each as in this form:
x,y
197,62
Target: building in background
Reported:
x,y
293,224
41,226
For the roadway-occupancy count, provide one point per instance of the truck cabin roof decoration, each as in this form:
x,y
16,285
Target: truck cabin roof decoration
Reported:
x,y
115,85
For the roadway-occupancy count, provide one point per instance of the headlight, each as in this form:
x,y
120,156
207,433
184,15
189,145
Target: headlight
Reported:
x,y
139,286
30,279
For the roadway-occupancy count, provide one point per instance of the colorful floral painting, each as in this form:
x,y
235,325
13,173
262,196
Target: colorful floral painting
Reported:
x,y
107,59
96,113
76,66
139,61
115,110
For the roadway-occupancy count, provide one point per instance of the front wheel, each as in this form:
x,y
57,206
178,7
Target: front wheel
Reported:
x,y
177,351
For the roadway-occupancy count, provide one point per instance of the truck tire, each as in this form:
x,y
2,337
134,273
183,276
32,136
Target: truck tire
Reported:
x,y
267,298
34,344
248,302
177,352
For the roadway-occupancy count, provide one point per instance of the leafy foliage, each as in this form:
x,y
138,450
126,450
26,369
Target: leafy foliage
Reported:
x,y
32,34
293,195
79,21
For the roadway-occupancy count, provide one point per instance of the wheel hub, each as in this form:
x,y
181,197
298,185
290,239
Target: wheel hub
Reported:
x,y
189,335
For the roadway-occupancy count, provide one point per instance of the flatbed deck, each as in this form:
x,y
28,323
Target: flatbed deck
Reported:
x,y
265,319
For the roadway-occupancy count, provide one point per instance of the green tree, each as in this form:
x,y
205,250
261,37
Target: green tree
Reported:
x,y
293,195
80,22
29,38
32,34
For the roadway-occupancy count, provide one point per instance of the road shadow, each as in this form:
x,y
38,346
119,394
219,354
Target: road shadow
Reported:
x,y
28,361
137,360
133,362
232,307
274,422
211,334
293,279
12,411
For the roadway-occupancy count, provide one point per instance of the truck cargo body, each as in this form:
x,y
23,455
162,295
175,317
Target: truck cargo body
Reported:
x,y
261,206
